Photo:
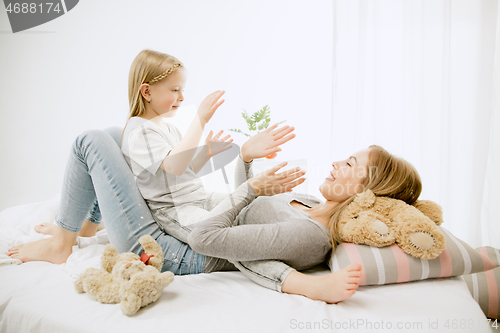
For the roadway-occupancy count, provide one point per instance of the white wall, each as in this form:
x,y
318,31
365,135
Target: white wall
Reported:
x,y
70,74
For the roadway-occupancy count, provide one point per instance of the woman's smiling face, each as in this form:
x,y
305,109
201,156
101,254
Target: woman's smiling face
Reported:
x,y
346,178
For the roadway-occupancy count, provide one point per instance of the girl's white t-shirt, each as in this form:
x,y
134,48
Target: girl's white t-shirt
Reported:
x,y
145,144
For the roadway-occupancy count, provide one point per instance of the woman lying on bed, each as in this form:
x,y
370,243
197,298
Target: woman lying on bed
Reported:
x,y
264,233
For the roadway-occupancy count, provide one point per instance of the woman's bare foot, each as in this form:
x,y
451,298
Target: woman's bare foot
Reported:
x,y
46,228
42,250
330,288
337,286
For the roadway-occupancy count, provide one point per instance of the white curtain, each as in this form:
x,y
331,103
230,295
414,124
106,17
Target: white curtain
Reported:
x,y
422,79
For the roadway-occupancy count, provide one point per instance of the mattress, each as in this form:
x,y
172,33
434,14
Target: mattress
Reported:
x,y
40,297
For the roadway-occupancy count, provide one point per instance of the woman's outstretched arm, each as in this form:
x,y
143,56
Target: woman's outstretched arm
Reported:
x,y
217,237
266,142
258,146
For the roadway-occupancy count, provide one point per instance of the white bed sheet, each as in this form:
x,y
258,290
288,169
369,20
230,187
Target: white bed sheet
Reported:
x,y
39,297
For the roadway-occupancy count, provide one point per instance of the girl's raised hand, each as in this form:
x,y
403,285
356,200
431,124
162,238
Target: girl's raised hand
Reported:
x,y
271,183
216,144
209,105
266,142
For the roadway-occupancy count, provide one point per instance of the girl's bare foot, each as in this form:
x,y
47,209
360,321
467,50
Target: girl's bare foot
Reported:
x,y
48,249
337,286
88,229
46,228
56,249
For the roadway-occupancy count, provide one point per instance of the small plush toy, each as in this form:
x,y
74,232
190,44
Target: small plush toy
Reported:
x,y
127,278
381,221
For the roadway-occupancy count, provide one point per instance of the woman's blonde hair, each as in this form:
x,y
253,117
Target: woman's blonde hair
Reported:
x,y
387,175
148,67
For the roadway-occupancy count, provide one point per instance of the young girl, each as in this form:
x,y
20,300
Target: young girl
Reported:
x,y
164,162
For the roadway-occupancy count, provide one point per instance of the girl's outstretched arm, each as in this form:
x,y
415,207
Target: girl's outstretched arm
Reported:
x,y
179,158
213,146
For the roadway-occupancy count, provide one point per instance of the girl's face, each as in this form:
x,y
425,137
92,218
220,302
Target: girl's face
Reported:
x,y
346,177
168,94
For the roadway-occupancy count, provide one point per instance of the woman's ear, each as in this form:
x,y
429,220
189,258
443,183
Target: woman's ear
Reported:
x,y
146,91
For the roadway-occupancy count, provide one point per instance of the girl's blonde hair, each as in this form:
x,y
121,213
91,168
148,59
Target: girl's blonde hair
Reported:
x,y
148,67
388,176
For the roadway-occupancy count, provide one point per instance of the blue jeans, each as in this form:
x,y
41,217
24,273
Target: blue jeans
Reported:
x,y
98,181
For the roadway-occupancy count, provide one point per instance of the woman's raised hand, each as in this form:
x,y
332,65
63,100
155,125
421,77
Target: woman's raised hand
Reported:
x,y
270,183
266,142
209,105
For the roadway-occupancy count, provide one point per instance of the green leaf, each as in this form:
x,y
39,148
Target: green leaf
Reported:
x,y
239,131
249,120
244,114
258,121
266,124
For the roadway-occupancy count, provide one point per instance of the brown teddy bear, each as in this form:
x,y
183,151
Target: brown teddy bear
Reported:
x,y
126,279
381,221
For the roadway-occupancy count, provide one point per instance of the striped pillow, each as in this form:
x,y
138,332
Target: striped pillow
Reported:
x,y
391,264
485,286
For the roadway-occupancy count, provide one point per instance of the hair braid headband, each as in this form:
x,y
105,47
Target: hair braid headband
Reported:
x,y
164,75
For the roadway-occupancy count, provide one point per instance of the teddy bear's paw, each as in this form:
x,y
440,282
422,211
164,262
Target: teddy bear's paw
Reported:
x,y
366,229
380,228
165,278
422,240
81,280
130,304
79,286
423,243
378,234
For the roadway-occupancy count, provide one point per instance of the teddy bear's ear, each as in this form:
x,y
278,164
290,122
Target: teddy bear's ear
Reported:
x,y
430,209
108,258
365,199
